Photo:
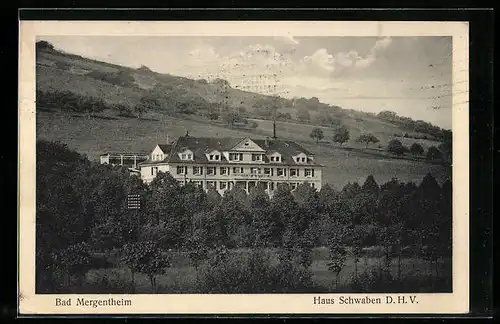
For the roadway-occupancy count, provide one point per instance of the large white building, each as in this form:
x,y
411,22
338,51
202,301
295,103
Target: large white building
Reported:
x,y
227,162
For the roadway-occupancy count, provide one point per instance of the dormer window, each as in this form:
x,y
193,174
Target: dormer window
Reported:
x,y
186,155
212,155
300,158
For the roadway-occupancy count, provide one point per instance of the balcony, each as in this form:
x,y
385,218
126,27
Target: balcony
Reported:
x,y
248,176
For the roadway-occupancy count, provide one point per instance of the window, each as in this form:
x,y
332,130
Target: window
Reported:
x,y
272,158
181,170
198,183
309,172
211,171
181,182
235,156
222,185
211,157
190,157
237,170
303,159
224,171
298,159
256,157
211,184
255,170
280,172
270,185
183,156
217,157
294,172
197,170
277,159
154,170
268,171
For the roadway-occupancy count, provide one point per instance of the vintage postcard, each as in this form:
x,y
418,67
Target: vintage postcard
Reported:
x,y
243,167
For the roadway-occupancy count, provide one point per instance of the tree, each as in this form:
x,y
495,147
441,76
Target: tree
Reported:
x,y
387,115
367,139
145,257
303,114
213,115
370,186
341,135
265,226
74,259
324,118
44,45
317,134
146,104
447,145
350,190
396,147
123,110
338,251
416,149
307,199
433,153
166,204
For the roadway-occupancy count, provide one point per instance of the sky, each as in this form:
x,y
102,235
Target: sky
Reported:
x,y
411,76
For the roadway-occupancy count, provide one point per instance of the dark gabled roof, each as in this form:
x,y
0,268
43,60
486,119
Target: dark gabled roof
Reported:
x,y
202,145
165,148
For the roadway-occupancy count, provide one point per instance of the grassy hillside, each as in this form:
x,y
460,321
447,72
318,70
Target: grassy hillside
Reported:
x,y
108,131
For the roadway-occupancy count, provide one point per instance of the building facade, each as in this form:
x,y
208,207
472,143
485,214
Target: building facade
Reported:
x,y
225,163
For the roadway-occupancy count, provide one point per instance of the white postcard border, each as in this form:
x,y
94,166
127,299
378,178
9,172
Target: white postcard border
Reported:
x,y
447,303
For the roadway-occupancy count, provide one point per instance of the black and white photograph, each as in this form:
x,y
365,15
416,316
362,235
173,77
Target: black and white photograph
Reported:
x,y
242,164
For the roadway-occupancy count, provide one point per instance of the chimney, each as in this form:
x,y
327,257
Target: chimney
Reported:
x,y
274,129
266,141
168,139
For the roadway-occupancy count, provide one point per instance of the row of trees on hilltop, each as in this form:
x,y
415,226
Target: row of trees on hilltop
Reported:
x,y
341,135
82,207
418,126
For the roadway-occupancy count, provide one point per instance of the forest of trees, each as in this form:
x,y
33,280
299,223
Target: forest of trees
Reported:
x,y
82,210
419,126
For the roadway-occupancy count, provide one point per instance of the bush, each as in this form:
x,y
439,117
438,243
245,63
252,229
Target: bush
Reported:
x,y
109,283
433,153
416,149
396,147
252,272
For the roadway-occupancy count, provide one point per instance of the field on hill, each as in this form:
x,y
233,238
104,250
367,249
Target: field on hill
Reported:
x,y
94,136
